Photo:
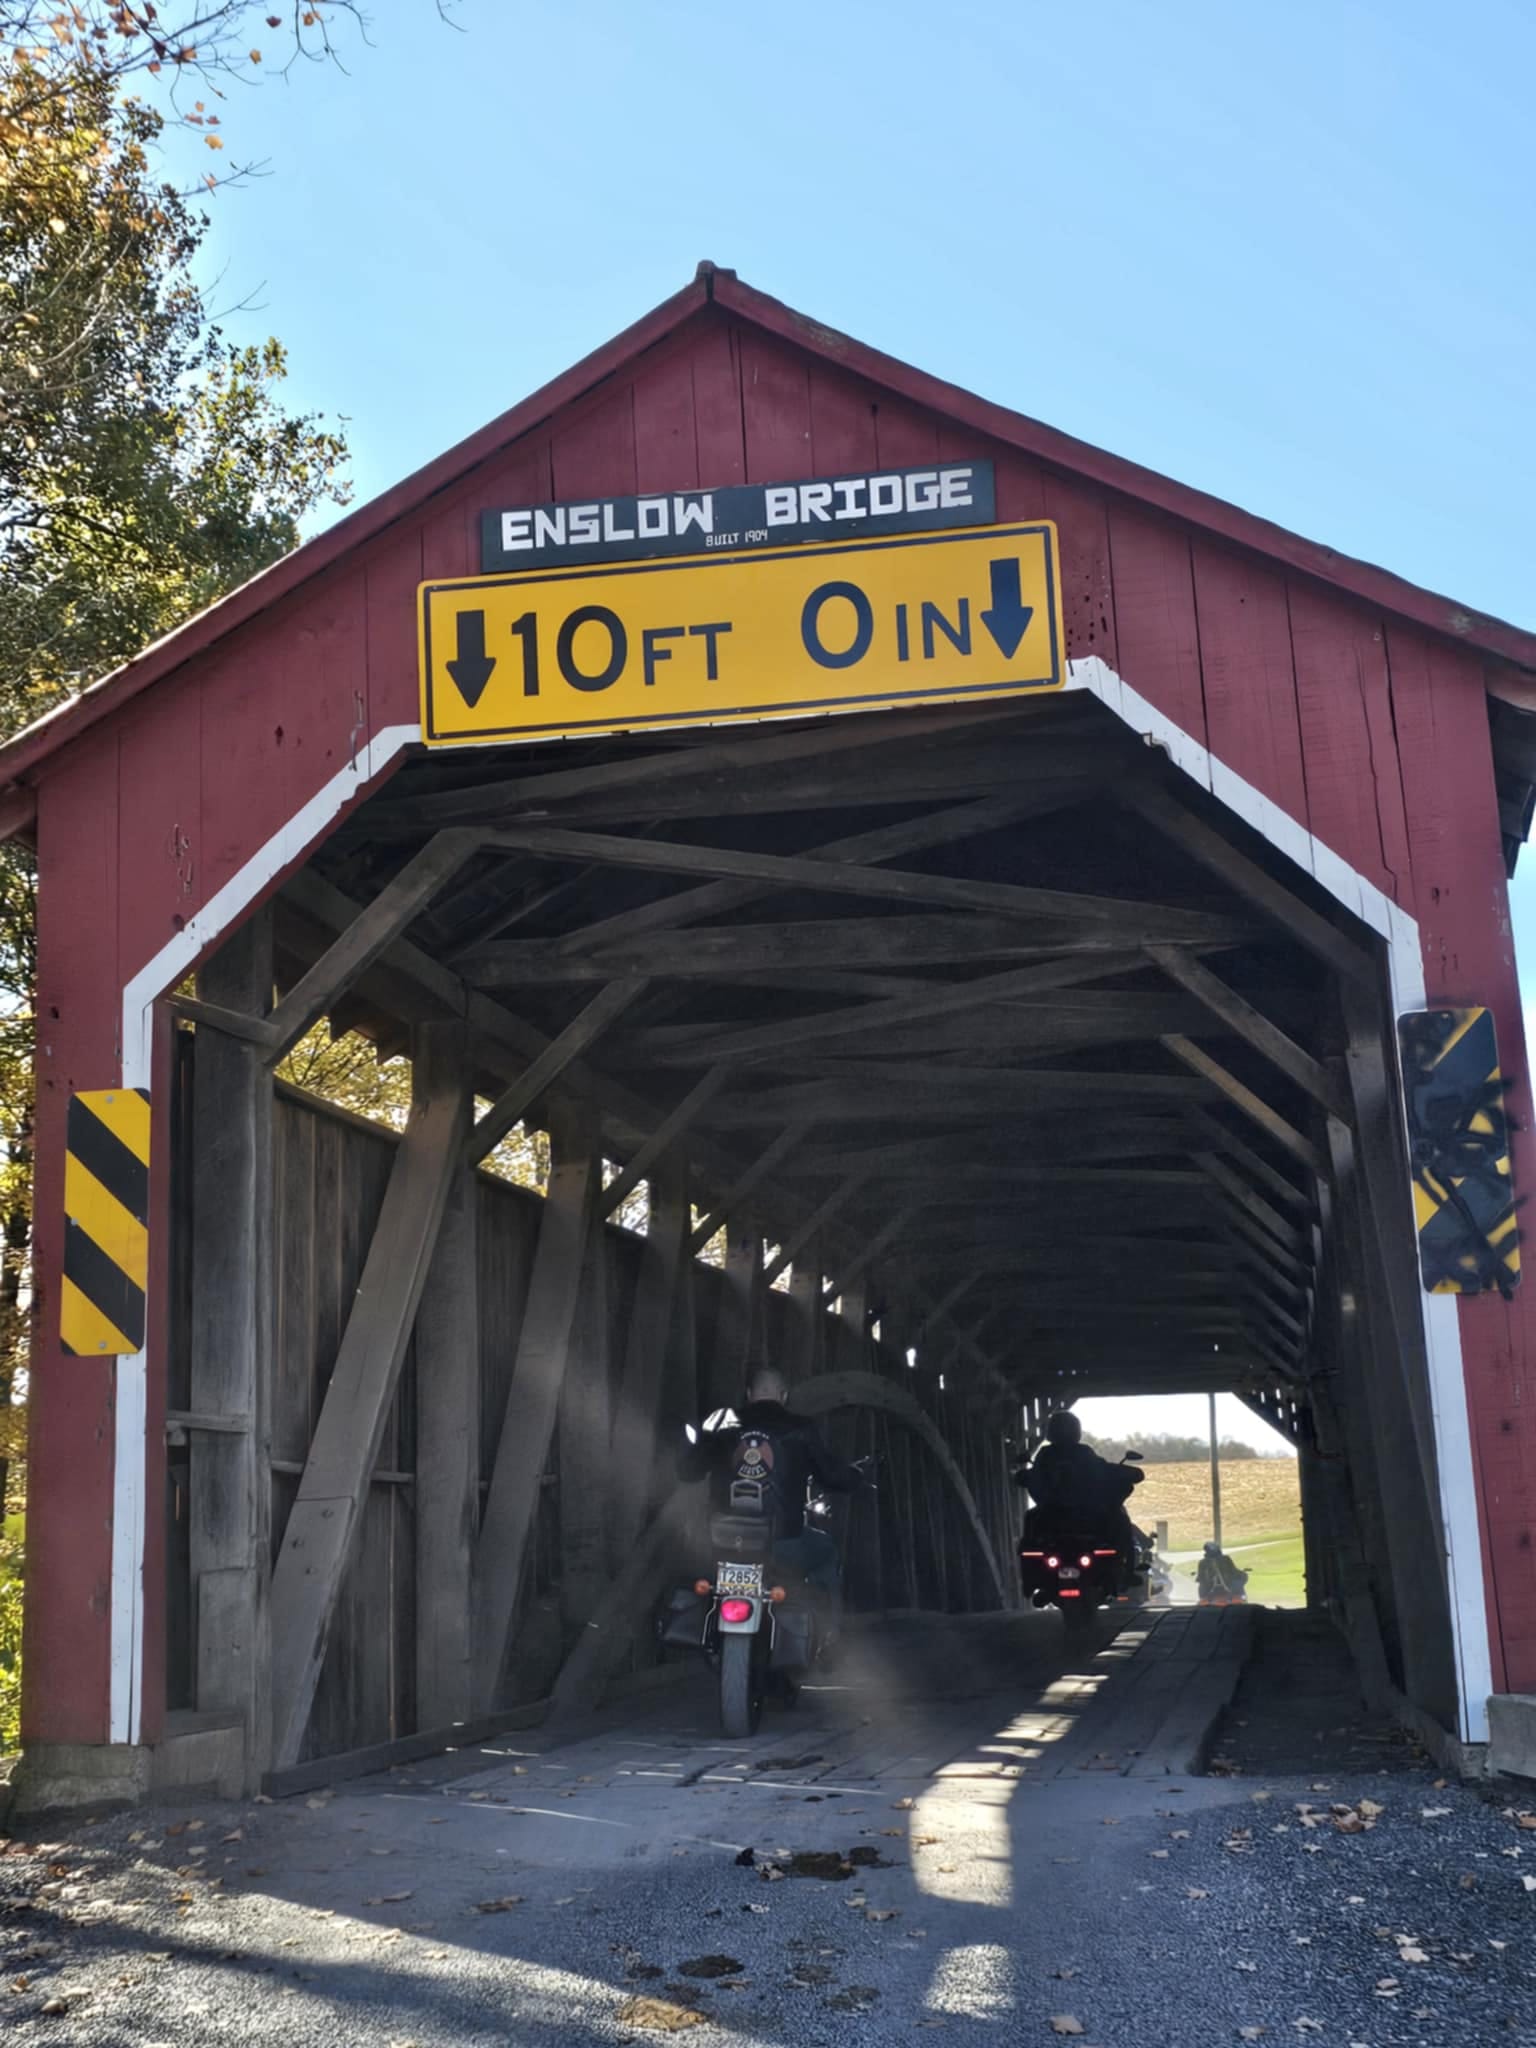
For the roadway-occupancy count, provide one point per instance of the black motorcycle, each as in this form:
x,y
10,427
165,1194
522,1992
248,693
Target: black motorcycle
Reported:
x,y
762,1628
1075,1568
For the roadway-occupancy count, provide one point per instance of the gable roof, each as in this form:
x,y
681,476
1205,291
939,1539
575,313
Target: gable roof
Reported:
x,y
22,755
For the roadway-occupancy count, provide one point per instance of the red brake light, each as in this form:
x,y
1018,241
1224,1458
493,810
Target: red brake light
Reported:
x,y
735,1610
1053,1562
1104,1553
1070,1593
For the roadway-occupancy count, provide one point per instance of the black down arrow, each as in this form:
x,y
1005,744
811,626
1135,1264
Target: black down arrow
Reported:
x,y
1008,619
473,667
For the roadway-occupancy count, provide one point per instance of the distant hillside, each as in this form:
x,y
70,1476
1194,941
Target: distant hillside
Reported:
x,y
1260,1499
1172,1450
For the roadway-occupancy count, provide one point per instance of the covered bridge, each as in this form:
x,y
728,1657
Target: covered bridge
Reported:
x,y
1030,1031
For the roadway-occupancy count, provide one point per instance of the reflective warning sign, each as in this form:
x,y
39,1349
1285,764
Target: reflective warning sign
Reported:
x,y
925,618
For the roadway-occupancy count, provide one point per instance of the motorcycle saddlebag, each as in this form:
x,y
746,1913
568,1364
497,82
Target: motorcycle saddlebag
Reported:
x,y
684,1618
791,1638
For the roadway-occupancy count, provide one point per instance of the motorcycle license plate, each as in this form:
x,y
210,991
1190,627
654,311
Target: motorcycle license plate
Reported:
x,y
743,1580
1069,1571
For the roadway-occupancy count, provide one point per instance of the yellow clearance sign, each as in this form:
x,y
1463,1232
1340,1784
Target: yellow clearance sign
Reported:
x,y
925,618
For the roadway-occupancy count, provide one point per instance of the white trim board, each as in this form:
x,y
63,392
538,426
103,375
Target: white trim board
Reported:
x,y
1442,1330
1442,1326
130,1443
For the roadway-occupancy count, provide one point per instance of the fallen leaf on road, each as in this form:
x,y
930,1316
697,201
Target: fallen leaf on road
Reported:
x,y
1246,1966
1194,1892
1178,1834
234,1835
711,1966
881,1913
1065,2023
658,2014
1306,2026
1433,1812
55,2006
500,1905
1162,1853
389,1899
1251,2033
1529,1883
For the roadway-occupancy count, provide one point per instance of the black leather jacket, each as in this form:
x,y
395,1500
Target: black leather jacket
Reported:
x,y
798,1456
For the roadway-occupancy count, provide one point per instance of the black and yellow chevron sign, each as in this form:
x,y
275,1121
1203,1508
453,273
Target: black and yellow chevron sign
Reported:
x,y
1458,1135
106,1227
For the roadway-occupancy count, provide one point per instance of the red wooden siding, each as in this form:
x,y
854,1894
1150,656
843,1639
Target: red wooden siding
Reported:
x,y
71,1401
1463,907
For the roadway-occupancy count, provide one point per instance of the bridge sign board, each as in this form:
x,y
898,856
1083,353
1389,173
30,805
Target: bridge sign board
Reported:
x,y
863,507
924,618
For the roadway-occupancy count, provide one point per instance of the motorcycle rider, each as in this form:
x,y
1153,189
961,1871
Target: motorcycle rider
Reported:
x,y
783,1453
1218,1578
1071,1485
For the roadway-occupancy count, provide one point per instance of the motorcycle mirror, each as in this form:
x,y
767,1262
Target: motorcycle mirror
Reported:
x,y
1133,1457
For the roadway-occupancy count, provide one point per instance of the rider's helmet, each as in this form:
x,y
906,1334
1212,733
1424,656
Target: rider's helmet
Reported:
x,y
1213,1550
1064,1428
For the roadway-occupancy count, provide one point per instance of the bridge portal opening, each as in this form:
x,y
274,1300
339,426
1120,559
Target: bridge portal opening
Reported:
x,y
966,1063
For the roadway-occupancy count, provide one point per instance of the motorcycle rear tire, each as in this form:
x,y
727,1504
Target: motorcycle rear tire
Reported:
x,y
741,1686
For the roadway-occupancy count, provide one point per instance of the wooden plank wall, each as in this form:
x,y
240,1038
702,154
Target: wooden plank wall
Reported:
x,y
330,1170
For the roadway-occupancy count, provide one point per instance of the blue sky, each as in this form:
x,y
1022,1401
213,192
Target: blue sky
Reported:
x,y
1284,254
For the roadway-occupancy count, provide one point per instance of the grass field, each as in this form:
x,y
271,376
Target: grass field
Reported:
x,y
1260,1504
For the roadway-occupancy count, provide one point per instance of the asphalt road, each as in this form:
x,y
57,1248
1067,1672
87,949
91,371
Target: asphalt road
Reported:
x,y
1008,1877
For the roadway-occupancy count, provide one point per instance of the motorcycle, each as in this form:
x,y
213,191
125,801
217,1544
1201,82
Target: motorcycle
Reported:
x,y
1075,1570
761,1629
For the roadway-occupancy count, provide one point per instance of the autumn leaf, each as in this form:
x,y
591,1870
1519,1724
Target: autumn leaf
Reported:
x,y
657,2014
1066,2023
500,1905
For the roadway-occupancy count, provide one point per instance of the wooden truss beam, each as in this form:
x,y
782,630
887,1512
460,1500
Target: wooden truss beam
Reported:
x,y
800,1237
1203,843
778,1038
746,1183
887,842
371,932
1213,1131
1240,1016
661,1140
326,1518
1244,1098
584,1028
843,878
646,771
733,951
533,1401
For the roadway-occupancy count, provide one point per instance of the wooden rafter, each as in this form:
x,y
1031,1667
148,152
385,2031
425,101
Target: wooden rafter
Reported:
x,y
845,878
1240,1016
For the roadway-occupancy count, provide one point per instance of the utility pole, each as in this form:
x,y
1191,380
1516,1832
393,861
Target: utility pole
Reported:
x,y
1215,1479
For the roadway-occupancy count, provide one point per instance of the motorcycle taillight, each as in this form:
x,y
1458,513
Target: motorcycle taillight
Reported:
x,y
735,1610
1053,1562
